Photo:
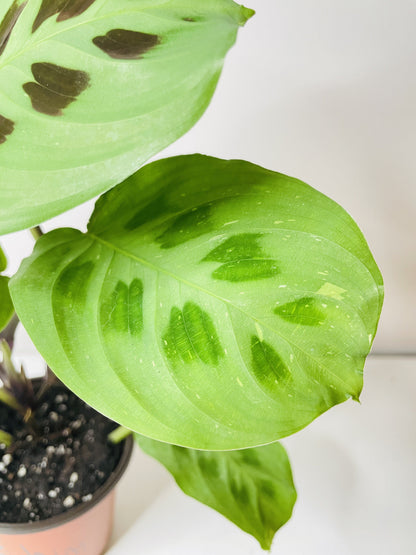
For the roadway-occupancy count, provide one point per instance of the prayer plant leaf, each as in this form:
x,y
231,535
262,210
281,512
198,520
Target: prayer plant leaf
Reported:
x,y
6,305
211,304
91,89
251,487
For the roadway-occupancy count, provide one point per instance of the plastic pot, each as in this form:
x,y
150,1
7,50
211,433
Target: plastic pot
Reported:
x,y
83,530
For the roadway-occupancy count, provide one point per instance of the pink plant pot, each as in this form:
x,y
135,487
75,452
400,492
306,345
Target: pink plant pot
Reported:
x,y
83,530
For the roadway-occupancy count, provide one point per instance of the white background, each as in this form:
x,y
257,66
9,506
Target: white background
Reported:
x,y
323,90
354,470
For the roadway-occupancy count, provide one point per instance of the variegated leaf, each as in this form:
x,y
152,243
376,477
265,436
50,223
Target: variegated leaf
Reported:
x,y
251,487
90,89
212,304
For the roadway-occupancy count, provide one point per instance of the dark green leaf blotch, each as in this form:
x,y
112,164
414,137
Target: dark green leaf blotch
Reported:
x,y
73,284
305,311
74,8
154,209
267,365
191,335
123,44
240,492
6,128
66,10
55,88
190,225
248,456
237,247
246,270
243,259
8,23
209,465
123,310
267,488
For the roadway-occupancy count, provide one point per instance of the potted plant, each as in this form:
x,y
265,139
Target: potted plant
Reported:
x,y
58,468
212,307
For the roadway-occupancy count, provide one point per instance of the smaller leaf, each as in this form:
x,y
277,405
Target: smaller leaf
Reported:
x,y
251,487
9,400
6,438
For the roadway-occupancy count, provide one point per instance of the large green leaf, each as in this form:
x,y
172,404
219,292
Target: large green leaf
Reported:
x,y
253,487
212,304
90,89
6,305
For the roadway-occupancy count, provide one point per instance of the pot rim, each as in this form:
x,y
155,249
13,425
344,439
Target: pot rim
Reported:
x,y
78,510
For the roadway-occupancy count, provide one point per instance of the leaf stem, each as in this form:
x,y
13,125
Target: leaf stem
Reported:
x,y
36,232
8,332
120,433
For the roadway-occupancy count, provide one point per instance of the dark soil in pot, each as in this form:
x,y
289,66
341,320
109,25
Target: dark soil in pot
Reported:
x,y
58,466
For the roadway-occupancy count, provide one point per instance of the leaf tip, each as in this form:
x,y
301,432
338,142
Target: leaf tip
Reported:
x,y
266,545
246,14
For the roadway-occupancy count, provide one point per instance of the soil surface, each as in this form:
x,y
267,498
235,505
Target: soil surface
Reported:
x,y
61,464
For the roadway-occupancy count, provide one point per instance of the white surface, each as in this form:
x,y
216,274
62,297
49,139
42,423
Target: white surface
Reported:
x,y
323,90
354,468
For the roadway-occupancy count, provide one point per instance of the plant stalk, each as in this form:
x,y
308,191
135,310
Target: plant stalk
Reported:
x,y
120,433
8,332
6,362
36,232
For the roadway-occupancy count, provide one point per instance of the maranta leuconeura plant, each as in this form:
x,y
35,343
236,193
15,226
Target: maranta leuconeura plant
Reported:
x,y
212,306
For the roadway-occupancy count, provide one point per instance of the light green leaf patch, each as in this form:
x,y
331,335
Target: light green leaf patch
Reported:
x,y
211,304
253,487
6,305
91,89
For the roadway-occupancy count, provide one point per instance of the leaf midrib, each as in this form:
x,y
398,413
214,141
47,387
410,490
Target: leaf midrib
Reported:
x,y
211,294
